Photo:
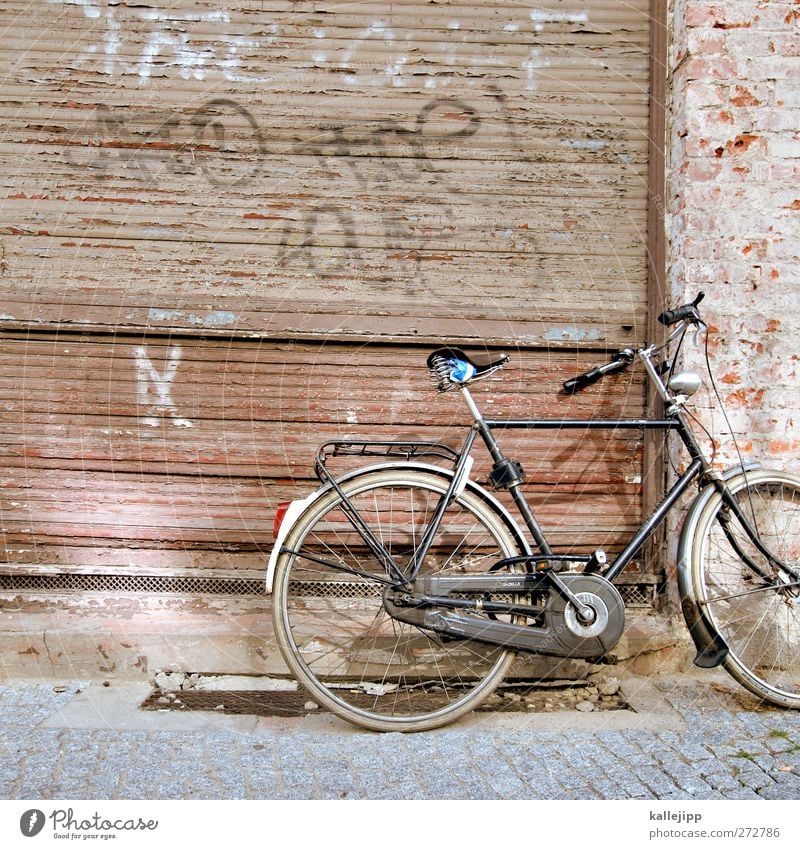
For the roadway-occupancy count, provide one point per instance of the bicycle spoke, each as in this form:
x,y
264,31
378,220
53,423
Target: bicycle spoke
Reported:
x,y
365,665
759,624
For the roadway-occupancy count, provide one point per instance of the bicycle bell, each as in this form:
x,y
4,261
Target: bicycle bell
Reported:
x,y
685,383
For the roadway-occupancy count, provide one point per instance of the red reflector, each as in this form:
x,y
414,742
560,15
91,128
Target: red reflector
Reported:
x,y
283,506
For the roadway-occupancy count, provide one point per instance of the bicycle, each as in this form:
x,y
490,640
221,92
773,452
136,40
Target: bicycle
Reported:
x,y
403,590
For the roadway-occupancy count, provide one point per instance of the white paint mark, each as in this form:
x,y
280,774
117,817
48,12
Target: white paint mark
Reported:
x,y
511,26
585,144
214,319
152,382
535,62
164,315
453,25
112,41
571,334
541,17
220,317
395,71
351,417
548,16
90,8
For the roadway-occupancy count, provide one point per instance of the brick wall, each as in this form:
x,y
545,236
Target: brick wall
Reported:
x,y
733,224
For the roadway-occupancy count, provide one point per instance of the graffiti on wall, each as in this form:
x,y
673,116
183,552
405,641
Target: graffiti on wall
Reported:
x,y
154,389
222,143
145,38
218,140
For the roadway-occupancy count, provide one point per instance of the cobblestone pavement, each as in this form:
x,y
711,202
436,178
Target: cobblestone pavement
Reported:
x,y
689,738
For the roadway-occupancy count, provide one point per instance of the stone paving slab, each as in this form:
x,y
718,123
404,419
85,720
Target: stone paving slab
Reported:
x,y
688,738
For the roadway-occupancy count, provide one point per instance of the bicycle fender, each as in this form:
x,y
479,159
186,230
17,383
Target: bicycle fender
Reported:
x,y
292,514
298,507
711,648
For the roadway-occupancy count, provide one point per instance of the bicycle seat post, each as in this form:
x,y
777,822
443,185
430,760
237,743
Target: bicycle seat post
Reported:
x,y
506,474
479,423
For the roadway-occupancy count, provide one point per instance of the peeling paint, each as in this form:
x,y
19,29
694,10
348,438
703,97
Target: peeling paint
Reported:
x,y
164,315
585,144
572,334
221,317
214,319
540,17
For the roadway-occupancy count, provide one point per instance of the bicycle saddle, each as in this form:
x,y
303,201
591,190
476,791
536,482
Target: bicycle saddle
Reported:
x,y
453,367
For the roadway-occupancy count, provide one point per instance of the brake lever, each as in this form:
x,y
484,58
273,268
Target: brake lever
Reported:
x,y
699,326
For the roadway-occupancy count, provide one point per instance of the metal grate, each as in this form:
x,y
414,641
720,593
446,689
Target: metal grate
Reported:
x,y
638,595
336,589
635,595
167,584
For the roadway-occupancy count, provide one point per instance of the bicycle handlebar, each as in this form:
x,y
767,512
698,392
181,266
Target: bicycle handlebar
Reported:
x,y
620,362
685,312
682,313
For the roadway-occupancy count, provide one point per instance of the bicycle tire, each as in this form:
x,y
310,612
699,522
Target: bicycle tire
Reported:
x,y
759,621
333,630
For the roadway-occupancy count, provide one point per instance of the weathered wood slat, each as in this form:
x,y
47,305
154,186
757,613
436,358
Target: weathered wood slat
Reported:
x,y
472,156
230,231
88,462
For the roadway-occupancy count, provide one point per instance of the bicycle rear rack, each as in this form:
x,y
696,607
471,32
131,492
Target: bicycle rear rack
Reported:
x,y
410,450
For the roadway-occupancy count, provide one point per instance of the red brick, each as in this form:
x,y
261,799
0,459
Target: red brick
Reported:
x,y
756,250
776,119
717,68
727,14
701,170
787,44
741,96
743,142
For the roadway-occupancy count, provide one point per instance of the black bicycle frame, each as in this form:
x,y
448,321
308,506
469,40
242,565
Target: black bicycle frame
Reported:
x,y
485,427
698,465
675,420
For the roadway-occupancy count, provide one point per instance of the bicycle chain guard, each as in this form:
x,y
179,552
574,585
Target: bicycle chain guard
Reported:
x,y
561,632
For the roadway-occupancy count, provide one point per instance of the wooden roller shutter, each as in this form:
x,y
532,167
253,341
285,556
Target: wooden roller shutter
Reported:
x,y
232,230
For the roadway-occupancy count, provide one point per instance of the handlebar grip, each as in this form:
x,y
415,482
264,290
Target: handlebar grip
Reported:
x,y
683,312
620,362
575,384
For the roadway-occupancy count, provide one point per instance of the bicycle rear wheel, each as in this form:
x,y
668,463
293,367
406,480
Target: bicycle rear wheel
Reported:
x,y
757,617
332,627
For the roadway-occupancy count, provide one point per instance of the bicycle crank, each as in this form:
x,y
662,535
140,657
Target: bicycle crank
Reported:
x,y
557,627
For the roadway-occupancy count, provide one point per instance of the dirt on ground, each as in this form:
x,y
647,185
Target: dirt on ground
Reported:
x,y
185,692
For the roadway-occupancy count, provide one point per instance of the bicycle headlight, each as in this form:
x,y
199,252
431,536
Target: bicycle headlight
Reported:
x,y
686,383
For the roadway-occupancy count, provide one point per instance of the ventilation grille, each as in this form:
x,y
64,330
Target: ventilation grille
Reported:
x,y
635,595
167,584
638,595
336,589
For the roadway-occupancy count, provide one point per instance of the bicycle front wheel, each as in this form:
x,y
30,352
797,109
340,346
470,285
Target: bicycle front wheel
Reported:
x,y
756,612
331,624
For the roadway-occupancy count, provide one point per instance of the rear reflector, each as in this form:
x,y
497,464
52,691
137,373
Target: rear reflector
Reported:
x,y
283,506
